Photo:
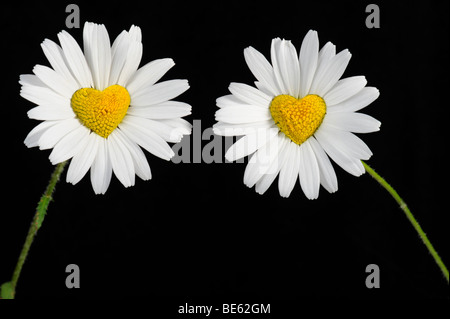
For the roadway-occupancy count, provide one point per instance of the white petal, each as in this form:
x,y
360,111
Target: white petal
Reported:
x,y
261,69
263,89
164,110
75,59
276,63
104,56
35,134
55,56
332,73
160,92
308,57
350,164
352,122
348,142
251,174
101,169
167,132
133,58
50,113
69,145
139,160
43,96
328,177
232,101
249,94
148,75
229,100
357,102
263,184
121,161
119,53
183,126
89,46
309,171
82,161
31,80
326,54
54,81
226,129
243,114
344,89
97,49
250,143
147,139
55,133
289,68
135,33
289,171
262,160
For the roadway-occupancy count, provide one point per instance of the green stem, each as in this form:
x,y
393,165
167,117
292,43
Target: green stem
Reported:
x,y
410,217
41,210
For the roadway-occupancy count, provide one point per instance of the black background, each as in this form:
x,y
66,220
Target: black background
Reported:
x,y
195,231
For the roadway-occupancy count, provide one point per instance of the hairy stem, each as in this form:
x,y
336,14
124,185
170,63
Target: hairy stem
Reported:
x,y
411,218
41,211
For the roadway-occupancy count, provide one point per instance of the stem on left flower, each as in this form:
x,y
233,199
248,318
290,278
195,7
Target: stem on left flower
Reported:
x,y
8,289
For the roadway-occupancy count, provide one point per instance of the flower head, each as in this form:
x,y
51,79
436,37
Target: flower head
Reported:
x,y
300,114
98,109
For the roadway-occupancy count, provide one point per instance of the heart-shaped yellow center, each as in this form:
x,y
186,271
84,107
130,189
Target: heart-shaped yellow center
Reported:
x,y
101,111
298,119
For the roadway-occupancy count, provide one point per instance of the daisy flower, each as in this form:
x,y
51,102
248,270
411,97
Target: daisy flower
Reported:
x,y
98,109
300,114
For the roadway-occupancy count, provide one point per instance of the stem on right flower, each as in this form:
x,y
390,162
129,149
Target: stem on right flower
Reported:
x,y
410,217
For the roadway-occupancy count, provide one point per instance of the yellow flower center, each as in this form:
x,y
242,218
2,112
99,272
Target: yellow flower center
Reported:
x,y
101,111
298,119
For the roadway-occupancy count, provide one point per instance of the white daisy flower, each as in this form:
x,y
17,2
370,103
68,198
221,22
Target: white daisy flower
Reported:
x,y
97,107
299,114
